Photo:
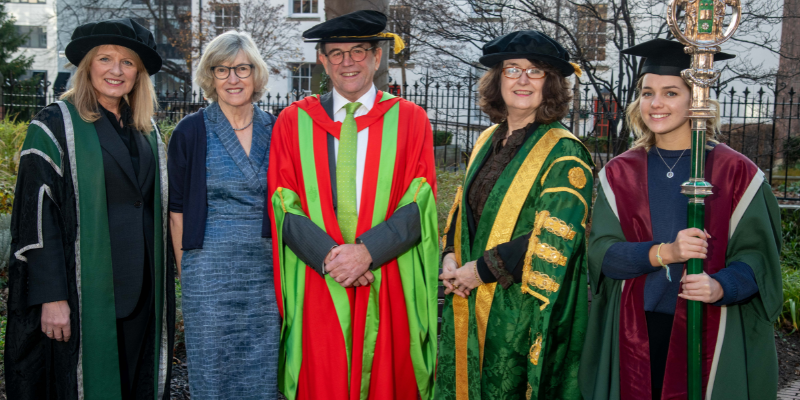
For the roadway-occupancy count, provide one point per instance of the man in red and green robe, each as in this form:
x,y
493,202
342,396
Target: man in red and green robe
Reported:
x,y
738,352
376,341
352,183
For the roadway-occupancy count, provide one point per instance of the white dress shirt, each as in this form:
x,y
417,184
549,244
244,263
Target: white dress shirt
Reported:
x,y
367,100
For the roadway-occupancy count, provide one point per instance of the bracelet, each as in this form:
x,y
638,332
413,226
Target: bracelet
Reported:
x,y
661,261
477,276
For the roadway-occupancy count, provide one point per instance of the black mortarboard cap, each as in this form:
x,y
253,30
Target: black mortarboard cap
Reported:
x,y
666,57
531,45
122,32
358,26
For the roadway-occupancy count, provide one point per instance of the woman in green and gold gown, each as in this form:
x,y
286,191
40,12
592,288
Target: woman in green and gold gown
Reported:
x,y
514,267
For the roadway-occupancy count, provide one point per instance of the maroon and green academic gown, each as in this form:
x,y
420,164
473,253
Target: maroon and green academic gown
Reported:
x,y
738,353
370,342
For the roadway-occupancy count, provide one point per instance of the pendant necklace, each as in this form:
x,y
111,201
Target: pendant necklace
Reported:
x,y
251,121
670,174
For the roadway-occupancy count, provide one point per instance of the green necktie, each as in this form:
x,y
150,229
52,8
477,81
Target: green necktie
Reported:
x,y
346,175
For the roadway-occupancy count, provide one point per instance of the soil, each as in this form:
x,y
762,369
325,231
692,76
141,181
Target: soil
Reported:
x,y
788,347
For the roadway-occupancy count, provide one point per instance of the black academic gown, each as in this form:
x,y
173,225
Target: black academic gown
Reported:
x,y
43,368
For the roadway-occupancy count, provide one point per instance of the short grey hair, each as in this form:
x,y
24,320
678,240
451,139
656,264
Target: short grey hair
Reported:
x,y
224,48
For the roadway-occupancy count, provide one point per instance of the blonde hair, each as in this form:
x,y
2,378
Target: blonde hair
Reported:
x,y
647,138
142,98
225,48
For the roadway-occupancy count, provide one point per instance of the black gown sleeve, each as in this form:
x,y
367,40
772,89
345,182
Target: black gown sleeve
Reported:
x,y
503,264
47,276
393,237
310,243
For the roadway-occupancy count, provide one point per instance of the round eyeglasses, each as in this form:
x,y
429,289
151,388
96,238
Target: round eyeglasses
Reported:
x,y
516,72
357,54
241,70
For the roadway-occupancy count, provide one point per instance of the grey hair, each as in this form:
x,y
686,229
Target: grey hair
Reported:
x,y
224,48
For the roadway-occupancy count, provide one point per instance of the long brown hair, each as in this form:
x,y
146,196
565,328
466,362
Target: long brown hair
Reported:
x,y
556,95
142,97
647,138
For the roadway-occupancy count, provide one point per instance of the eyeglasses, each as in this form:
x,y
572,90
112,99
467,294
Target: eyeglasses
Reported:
x,y
241,70
516,72
357,54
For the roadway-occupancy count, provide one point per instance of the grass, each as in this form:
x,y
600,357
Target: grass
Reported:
x,y
447,183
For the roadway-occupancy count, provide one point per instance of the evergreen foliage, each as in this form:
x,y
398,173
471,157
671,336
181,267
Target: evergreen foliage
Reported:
x,y
10,41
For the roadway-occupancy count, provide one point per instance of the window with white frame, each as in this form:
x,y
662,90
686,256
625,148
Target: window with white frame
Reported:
x,y
305,6
36,36
226,17
300,77
487,8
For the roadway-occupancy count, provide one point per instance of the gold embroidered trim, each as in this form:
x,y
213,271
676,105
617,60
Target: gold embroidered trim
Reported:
x,y
456,203
280,194
543,282
461,327
529,392
545,252
536,349
565,158
507,216
578,195
558,227
577,178
421,182
484,136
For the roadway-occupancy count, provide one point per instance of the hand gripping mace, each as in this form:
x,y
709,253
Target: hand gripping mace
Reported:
x,y
703,32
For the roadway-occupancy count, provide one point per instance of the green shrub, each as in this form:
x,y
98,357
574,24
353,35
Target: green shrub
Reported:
x,y
790,252
442,138
165,127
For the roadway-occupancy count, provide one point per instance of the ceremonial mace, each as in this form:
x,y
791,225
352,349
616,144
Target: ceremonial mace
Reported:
x,y
702,34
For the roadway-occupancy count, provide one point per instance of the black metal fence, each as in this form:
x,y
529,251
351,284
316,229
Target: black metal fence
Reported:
x,y
763,125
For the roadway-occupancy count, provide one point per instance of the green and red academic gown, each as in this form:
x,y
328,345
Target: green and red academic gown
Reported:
x,y
61,161
525,341
738,352
376,341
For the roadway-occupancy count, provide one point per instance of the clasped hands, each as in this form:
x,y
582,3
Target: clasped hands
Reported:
x,y
348,265
460,281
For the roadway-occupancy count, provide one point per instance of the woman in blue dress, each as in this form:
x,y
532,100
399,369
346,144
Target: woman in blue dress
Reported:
x,y
218,161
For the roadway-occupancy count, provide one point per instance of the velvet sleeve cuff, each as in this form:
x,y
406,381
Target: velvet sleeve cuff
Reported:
x,y
738,283
496,266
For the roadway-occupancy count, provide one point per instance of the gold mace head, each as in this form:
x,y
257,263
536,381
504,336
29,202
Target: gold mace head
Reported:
x,y
704,26
702,32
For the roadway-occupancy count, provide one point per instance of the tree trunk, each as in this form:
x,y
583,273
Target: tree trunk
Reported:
x,y
335,8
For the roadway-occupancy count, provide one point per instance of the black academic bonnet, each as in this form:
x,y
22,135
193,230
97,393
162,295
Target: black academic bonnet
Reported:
x,y
121,32
358,26
665,57
531,45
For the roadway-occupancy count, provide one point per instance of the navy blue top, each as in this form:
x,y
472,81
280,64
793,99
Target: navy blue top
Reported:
x,y
186,165
668,209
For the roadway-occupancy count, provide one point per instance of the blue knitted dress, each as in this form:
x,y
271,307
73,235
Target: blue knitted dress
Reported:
x,y
231,319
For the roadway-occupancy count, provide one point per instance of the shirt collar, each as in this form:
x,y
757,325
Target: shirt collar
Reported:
x,y
367,100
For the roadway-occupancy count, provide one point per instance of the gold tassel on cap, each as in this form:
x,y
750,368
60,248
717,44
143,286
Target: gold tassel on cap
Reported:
x,y
399,44
577,68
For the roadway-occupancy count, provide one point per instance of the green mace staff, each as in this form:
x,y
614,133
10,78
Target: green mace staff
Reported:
x,y
701,32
